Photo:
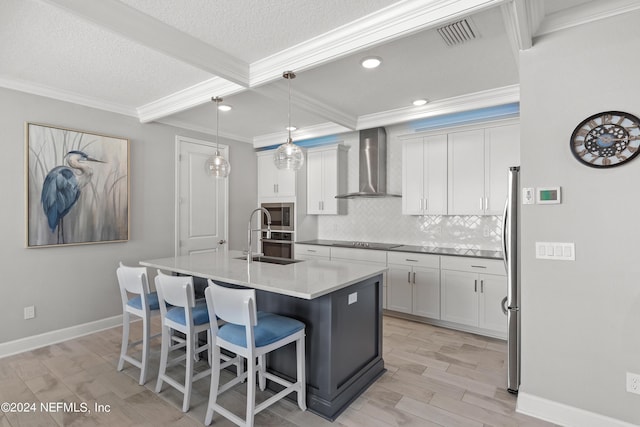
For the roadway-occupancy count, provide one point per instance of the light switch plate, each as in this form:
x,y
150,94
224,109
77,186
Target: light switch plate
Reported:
x,y
556,250
353,298
528,196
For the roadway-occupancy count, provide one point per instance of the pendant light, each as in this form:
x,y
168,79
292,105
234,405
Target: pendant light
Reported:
x,y
288,155
217,165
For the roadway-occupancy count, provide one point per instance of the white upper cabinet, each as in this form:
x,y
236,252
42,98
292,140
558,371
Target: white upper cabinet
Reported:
x,y
326,178
274,183
478,165
459,173
466,172
424,175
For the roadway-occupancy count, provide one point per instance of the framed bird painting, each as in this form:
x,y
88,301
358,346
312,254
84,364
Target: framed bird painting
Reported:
x,y
77,187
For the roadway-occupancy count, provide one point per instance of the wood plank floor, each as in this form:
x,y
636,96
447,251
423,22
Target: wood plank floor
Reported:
x,y
435,377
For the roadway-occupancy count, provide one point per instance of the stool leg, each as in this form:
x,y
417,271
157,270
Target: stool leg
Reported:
x,y
164,354
215,381
262,381
301,374
251,390
188,375
125,339
146,329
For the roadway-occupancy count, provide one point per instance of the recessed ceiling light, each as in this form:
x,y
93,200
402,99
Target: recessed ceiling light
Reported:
x,y
371,62
419,102
224,107
291,128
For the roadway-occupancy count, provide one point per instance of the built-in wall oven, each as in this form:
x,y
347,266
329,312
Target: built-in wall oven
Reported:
x,y
282,218
279,245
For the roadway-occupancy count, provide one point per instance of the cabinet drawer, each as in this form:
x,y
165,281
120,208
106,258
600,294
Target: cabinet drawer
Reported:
x,y
313,250
474,265
368,255
408,258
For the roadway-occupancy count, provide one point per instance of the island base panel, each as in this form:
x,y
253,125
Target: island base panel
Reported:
x,y
343,343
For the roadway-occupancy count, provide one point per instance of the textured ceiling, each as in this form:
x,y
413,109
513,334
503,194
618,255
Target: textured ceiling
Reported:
x,y
163,60
255,29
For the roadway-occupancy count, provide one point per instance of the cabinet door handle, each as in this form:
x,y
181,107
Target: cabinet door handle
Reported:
x,y
479,266
311,250
408,277
475,285
412,260
426,204
481,203
322,203
481,286
414,277
420,208
486,203
277,188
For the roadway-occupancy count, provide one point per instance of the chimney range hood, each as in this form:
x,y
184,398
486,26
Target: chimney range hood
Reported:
x,y
373,165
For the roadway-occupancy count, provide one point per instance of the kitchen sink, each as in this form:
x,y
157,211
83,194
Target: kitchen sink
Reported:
x,y
272,259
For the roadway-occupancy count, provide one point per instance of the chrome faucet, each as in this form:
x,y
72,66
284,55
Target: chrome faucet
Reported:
x,y
249,230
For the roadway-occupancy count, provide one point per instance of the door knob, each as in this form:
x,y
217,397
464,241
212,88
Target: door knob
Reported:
x,y
222,242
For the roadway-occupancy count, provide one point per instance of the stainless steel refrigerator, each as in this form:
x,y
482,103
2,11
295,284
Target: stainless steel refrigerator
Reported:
x,y
511,303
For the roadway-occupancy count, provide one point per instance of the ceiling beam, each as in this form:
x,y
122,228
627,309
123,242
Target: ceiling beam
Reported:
x,y
516,22
395,21
129,22
185,99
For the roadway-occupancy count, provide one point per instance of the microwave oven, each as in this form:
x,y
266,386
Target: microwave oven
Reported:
x,y
282,216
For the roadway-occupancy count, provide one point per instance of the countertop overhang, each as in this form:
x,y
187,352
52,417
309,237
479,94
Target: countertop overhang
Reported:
x,y
465,252
307,279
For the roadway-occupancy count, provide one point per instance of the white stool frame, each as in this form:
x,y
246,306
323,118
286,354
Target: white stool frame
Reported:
x,y
238,306
133,280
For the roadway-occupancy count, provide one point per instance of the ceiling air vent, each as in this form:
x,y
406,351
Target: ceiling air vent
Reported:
x,y
458,32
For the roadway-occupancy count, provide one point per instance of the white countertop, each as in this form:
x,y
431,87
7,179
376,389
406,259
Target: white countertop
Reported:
x,y
306,279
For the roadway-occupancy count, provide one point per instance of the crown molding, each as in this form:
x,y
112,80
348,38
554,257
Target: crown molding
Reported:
x,y
309,132
190,97
310,104
66,96
586,13
472,101
131,23
203,129
395,21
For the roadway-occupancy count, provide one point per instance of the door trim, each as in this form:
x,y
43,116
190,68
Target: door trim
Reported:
x,y
176,202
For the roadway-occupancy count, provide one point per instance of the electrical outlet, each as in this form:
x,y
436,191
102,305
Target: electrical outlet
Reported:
x,y
29,312
633,383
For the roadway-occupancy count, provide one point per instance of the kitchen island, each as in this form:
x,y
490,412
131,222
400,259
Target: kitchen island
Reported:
x,y
340,304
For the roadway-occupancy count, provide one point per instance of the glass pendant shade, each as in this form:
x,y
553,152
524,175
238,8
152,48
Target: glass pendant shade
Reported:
x,y
217,165
289,156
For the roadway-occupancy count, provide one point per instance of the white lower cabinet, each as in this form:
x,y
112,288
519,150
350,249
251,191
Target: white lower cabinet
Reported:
x,y
472,291
312,252
414,284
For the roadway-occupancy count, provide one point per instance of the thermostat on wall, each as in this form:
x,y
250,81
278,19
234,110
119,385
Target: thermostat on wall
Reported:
x,y
548,195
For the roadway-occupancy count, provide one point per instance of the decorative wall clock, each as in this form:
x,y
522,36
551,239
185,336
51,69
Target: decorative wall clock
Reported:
x,y
606,139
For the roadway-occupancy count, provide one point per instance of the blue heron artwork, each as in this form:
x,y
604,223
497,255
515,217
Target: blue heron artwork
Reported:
x,y
78,187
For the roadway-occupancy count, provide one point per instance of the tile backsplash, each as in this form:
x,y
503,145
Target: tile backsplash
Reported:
x,y
381,220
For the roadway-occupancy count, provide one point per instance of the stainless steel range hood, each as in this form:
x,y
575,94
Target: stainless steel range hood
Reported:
x,y
373,165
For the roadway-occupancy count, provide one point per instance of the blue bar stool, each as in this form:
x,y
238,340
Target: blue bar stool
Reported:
x,y
137,300
251,335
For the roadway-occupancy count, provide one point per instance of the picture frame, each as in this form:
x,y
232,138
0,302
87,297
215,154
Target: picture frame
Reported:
x,y
77,187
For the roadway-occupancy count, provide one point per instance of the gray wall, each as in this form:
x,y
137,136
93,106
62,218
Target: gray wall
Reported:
x,y
581,320
77,284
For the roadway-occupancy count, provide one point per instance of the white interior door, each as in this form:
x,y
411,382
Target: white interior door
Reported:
x,y
201,200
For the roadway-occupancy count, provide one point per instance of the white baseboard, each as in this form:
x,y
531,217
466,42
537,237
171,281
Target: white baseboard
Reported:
x,y
564,415
36,341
